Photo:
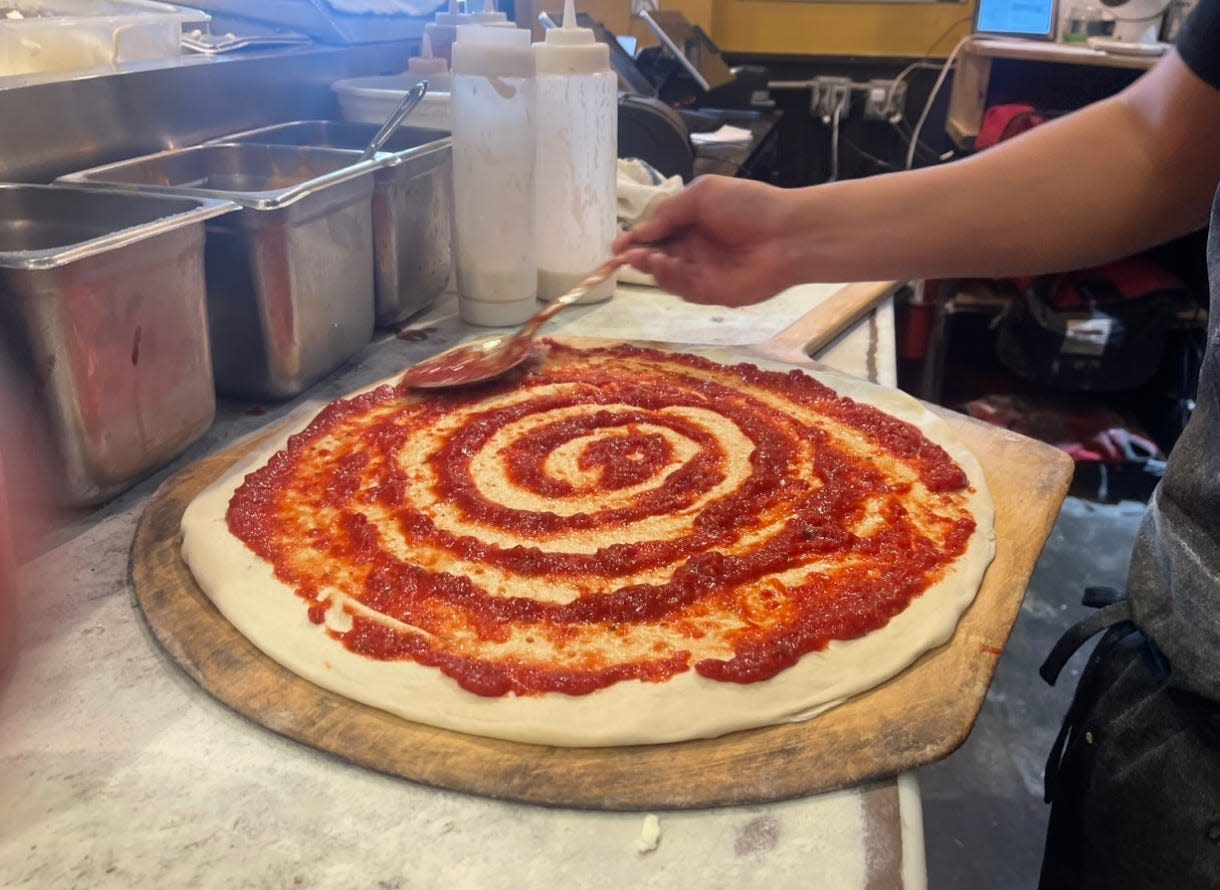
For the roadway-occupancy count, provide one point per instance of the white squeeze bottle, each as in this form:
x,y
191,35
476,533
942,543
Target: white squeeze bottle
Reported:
x,y
577,151
492,100
428,64
442,31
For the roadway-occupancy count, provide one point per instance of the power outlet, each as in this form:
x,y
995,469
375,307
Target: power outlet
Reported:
x,y
885,100
829,93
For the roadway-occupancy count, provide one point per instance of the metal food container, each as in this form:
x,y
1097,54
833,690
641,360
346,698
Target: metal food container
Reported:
x,y
412,206
102,304
289,276
330,21
49,39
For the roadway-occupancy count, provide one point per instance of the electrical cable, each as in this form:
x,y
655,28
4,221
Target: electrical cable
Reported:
x,y
923,62
929,151
834,141
884,165
927,108
945,33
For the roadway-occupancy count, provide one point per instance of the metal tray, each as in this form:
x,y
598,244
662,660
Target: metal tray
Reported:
x,y
102,301
322,21
290,276
412,206
53,39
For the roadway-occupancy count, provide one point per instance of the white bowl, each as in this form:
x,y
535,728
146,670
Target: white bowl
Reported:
x,y
370,100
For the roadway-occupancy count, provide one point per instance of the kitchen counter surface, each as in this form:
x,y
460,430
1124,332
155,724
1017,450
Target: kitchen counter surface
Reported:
x,y
116,770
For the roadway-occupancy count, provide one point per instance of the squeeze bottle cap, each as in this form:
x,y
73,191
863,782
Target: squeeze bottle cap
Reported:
x,y
426,63
476,35
492,52
571,49
488,16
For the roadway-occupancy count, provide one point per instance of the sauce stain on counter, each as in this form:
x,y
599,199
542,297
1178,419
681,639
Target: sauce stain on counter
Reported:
x,y
759,835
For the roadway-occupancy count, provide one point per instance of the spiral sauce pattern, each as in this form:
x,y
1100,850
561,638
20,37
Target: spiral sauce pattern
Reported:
x,y
606,515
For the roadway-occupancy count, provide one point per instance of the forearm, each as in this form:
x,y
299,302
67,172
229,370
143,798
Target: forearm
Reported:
x,y
1101,183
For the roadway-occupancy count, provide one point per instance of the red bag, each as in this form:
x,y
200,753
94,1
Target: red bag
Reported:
x,y
1002,122
1089,432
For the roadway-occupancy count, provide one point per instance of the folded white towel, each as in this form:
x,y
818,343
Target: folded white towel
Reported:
x,y
640,187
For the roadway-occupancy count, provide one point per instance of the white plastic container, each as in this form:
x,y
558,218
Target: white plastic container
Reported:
x,y
42,37
493,174
577,137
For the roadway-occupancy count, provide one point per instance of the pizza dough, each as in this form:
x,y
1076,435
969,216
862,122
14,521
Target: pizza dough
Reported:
x,y
582,487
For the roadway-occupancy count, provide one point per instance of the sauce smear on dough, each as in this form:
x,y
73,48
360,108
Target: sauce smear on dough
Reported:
x,y
584,525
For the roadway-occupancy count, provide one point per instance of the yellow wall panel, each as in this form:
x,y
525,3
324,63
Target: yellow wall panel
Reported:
x,y
614,14
699,12
865,29
787,27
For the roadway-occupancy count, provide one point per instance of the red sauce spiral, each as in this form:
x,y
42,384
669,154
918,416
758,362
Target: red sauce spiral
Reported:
x,y
616,532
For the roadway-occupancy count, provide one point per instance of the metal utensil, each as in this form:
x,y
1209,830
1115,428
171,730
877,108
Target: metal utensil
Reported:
x,y
414,96
488,357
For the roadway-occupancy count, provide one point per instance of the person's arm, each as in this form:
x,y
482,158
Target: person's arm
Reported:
x,y
1126,173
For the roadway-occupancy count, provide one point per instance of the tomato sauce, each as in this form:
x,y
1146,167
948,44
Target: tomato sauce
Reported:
x,y
463,365
305,512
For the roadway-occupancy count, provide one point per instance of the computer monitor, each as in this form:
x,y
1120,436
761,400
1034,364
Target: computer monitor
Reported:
x,y
630,78
692,48
1032,19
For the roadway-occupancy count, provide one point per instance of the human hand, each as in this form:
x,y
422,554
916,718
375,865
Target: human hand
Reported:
x,y
719,241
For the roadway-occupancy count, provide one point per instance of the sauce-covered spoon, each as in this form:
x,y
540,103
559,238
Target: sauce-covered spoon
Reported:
x,y
488,357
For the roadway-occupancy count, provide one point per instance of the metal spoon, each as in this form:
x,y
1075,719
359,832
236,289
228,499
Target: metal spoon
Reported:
x,y
488,357
414,96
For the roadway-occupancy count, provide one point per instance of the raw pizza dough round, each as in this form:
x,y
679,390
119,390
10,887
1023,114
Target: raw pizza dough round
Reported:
x,y
685,705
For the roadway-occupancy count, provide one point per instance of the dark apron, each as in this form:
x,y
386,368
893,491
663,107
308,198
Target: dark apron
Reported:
x,y
1134,777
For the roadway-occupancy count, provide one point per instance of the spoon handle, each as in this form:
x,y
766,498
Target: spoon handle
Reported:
x,y
543,315
414,96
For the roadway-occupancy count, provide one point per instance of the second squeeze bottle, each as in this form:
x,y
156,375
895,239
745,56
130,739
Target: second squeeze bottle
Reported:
x,y
492,96
577,151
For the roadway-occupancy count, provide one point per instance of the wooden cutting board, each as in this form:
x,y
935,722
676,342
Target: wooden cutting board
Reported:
x,y
919,716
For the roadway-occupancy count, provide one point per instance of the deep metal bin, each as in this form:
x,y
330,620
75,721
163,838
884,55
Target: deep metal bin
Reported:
x,y
289,276
102,303
412,206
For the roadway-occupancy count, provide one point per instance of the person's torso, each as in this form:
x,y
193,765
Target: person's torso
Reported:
x,y
1174,582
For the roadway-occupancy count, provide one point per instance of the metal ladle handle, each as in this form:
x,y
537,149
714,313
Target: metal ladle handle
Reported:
x,y
414,96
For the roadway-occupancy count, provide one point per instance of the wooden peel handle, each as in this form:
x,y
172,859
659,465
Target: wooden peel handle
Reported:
x,y
814,330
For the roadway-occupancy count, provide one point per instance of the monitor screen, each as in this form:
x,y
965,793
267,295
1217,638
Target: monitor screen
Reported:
x,y
1016,18
690,46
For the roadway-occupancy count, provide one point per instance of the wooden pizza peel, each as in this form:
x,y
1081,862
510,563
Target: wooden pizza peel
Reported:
x,y
919,716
